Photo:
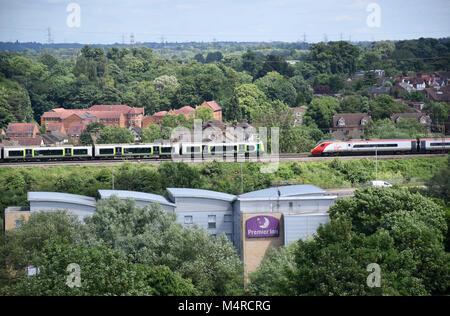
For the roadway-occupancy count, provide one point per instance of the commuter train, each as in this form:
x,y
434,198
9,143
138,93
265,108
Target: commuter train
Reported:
x,y
132,151
384,146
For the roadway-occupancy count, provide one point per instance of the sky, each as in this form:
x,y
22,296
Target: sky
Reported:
x,y
115,21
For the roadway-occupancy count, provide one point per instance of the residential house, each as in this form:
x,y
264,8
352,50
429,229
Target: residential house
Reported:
x,y
438,94
30,141
422,118
20,130
215,107
55,139
147,121
111,115
55,127
349,125
299,113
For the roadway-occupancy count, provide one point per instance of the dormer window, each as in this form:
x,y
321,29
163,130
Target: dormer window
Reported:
x,y
364,121
423,120
341,122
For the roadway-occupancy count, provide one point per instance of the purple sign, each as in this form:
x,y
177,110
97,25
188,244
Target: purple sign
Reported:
x,y
262,227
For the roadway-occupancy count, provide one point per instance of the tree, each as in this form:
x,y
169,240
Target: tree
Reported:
x,y
204,113
439,184
92,129
115,135
213,57
321,112
103,272
151,133
304,92
334,58
20,247
248,102
154,238
383,106
416,224
276,87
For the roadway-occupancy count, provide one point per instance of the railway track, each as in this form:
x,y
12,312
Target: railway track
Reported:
x,y
265,159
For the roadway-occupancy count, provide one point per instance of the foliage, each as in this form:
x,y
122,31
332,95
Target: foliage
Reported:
x,y
153,237
115,135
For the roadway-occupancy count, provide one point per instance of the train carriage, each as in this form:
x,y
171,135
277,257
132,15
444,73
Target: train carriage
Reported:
x,y
46,153
435,145
365,147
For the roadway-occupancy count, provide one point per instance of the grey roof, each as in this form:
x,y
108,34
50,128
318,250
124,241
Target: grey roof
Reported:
x,y
146,197
61,197
197,193
285,191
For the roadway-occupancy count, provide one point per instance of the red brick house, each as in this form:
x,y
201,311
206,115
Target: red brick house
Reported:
x,y
215,107
20,130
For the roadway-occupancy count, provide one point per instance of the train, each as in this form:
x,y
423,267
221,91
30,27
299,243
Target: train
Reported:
x,y
383,146
132,151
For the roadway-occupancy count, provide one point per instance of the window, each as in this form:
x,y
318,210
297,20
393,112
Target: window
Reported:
x,y
189,219
211,221
228,218
18,223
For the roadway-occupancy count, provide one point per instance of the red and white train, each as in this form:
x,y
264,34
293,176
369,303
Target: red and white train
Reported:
x,y
383,146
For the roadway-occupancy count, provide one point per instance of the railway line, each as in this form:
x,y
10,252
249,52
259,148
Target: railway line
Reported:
x,y
263,159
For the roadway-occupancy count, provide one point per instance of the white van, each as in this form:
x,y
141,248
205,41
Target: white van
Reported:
x,y
380,184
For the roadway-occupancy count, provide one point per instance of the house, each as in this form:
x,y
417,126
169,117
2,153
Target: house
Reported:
x,y
299,112
349,125
187,111
376,91
55,127
30,141
147,121
75,130
137,132
438,94
20,130
111,115
215,107
55,139
422,118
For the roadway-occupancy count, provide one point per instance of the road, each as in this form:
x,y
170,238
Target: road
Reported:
x,y
266,159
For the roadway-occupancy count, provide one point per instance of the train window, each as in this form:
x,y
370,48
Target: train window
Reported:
x,y
439,144
375,146
80,152
166,150
51,152
16,153
140,150
107,151
250,148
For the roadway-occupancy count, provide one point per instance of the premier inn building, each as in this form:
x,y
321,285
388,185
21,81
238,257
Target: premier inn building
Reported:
x,y
253,222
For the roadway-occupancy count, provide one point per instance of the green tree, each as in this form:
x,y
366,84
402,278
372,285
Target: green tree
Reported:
x,y
204,113
321,112
151,133
276,87
115,135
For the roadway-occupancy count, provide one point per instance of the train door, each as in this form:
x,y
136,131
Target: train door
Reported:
x,y
118,151
68,152
28,153
423,146
414,146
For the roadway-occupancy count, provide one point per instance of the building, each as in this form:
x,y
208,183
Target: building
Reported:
x,y
275,217
349,125
422,118
20,130
141,199
215,107
299,113
253,222
30,141
438,94
376,91
110,115
77,205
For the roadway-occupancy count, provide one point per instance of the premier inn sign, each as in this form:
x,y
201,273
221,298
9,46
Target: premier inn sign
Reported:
x,y
263,227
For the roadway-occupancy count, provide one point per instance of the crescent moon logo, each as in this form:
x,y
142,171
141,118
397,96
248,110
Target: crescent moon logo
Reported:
x,y
266,223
